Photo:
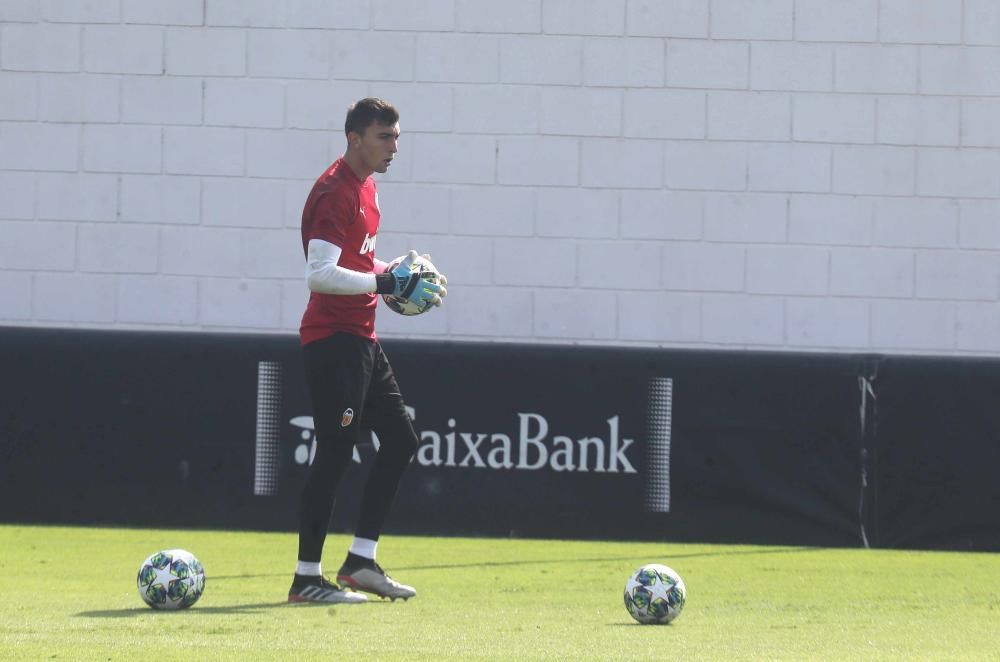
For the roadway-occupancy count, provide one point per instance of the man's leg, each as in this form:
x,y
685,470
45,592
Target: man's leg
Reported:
x,y
386,414
338,370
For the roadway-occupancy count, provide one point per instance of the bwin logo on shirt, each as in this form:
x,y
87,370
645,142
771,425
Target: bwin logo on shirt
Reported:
x,y
368,245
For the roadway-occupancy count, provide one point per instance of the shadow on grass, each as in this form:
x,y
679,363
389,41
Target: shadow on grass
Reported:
x,y
633,559
563,561
243,609
635,624
133,612
142,611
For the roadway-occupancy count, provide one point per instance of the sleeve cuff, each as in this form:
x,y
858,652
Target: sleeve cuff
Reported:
x,y
385,283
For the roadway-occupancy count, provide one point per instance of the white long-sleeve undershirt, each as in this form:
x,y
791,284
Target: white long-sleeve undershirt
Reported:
x,y
325,276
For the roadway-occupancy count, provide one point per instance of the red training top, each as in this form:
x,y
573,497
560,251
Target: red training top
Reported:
x,y
342,210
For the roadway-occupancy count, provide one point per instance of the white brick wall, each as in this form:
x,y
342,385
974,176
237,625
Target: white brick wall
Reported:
x,y
707,64
768,269
667,18
661,215
749,116
704,165
834,118
789,167
663,114
979,125
914,326
203,151
37,246
797,174
873,170
752,19
79,98
77,197
40,47
586,18
534,160
238,202
978,227
583,213
559,317
930,22
828,322
108,248
982,22
425,205
175,303
18,192
122,148
93,300
913,120
123,49
844,20
178,12
489,16
452,58
206,52
703,267
786,65
876,68
746,218
614,62
959,70
541,60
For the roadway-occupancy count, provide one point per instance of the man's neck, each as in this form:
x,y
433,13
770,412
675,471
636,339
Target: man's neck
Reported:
x,y
357,166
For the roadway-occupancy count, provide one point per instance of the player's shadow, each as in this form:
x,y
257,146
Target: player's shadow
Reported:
x,y
634,559
142,611
562,561
634,624
243,609
133,612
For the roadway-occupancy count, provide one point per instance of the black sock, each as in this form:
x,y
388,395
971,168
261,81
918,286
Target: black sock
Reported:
x,y
305,580
357,561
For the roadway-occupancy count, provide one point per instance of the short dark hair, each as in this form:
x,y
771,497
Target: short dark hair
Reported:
x,y
362,114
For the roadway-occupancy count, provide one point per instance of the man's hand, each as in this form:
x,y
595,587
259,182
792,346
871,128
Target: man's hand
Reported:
x,y
442,280
410,286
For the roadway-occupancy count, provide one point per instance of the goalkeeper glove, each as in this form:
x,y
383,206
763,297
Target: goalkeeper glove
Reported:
x,y
404,282
442,279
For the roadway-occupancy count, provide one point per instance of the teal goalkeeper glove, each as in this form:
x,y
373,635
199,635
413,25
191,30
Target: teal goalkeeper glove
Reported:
x,y
404,282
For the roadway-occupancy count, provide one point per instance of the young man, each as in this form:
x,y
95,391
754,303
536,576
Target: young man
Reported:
x,y
351,383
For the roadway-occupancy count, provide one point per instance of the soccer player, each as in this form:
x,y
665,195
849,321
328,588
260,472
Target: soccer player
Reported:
x,y
351,384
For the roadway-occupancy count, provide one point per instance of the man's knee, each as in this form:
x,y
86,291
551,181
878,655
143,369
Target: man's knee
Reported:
x,y
334,449
398,439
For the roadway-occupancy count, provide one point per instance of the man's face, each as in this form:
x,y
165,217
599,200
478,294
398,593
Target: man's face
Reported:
x,y
377,145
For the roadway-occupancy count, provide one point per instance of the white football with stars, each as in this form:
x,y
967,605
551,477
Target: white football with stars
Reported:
x,y
654,594
171,579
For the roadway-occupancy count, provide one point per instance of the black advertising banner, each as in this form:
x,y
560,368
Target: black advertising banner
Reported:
x,y
124,428
502,450
213,430
767,446
547,441
938,453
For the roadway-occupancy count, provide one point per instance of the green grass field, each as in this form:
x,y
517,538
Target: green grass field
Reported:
x,y
69,593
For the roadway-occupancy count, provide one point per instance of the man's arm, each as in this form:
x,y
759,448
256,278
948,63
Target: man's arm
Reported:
x,y
325,276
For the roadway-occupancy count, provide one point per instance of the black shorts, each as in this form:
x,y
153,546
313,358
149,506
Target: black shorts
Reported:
x,y
353,388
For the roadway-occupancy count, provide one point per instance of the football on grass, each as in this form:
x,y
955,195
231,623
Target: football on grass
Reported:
x,y
654,594
171,579
427,271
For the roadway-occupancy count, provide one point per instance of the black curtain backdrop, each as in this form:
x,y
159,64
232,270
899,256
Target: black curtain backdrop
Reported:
x,y
937,448
214,430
